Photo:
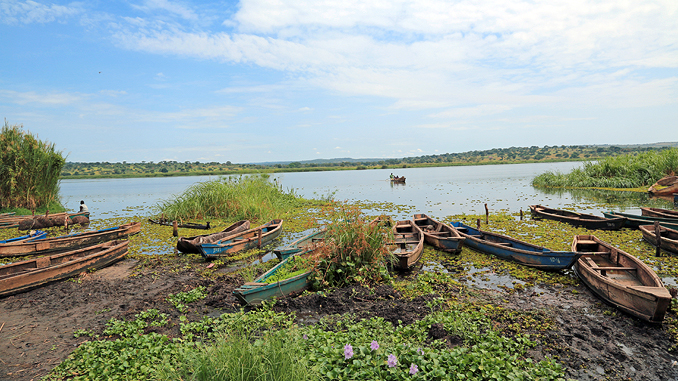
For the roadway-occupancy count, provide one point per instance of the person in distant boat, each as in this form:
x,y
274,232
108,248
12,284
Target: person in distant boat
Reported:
x,y
391,175
83,207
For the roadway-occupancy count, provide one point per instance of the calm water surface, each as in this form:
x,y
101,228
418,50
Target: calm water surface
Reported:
x,y
440,191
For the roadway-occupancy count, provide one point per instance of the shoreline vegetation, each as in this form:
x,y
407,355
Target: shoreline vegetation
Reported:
x,y
513,155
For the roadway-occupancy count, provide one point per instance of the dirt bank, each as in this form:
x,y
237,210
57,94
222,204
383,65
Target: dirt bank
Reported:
x,y
590,339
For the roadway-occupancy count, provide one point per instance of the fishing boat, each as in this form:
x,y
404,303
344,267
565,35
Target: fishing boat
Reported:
x,y
13,221
666,186
248,239
190,244
515,250
398,179
35,234
407,244
22,276
267,286
68,242
668,237
620,279
305,243
588,221
633,221
659,212
185,225
439,235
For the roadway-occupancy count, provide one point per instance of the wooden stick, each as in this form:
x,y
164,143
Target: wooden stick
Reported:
x,y
657,233
175,229
3,324
487,215
521,214
478,223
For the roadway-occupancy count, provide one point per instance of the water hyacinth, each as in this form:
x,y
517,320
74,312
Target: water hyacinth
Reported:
x,y
374,345
348,351
392,361
420,351
413,369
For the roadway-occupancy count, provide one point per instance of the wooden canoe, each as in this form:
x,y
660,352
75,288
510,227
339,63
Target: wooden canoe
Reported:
x,y
398,179
257,237
68,242
633,221
184,225
659,212
190,244
14,221
25,275
36,234
621,279
669,237
588,221
666,186
439,235
260,290
407,244
305,243
515,250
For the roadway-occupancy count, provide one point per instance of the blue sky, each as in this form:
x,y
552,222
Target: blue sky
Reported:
x,y
279,80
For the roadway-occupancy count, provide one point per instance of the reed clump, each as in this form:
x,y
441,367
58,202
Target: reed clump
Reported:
x,y
29,170
624,171
233,198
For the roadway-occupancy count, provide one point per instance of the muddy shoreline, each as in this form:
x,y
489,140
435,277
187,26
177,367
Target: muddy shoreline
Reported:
x,y
591,340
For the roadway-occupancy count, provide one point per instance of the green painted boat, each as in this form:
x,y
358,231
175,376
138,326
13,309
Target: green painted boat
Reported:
x,y
634,221
260,290
305,243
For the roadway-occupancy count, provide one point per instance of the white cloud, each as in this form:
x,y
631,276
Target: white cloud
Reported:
x,y
31,97
28,12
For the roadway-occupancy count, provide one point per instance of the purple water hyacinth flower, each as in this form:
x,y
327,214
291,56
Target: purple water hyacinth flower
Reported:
x,y
392,361
413,369
374,345
305,337
420,351
348,351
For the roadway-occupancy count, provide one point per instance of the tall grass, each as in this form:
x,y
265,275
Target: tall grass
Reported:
x,y
29,170
354,251
238,198
625,171
275,356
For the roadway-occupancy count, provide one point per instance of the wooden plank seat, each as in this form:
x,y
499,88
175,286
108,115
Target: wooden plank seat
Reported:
x,y
587,242
503,243
613,268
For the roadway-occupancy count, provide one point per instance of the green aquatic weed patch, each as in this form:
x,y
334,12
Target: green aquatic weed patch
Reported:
x,y
180,298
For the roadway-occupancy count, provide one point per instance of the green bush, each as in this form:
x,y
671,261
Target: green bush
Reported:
x,y
29,170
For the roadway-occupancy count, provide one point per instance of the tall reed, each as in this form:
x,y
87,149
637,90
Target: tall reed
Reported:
x,y
29,170
625,171
238,198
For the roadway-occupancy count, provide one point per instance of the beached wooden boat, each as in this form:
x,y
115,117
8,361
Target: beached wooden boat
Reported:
x,y
36,234
183,225
25,275
397,179
407,245
13,221
666,186
659,212
621,279
257,237
190,244
305,243
263,288
69,241
633,221
515,250
439,235
588,221
669,237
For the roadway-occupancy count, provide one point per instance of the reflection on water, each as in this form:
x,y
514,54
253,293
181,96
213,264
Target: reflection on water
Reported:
x,y
616,200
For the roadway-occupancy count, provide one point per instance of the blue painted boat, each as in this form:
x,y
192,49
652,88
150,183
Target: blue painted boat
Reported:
x,y
634,221
260,290
249,239
515,250
34,235
439,235
304,243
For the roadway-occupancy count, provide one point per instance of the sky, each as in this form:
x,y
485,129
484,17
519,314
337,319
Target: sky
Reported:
x,y
280,80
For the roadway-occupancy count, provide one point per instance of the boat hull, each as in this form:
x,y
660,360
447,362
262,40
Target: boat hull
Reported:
x,y
621,279
191,244
408,244
634,221
515,250
68,242
439,235
658,212
258,291
304,243
249,239
587,221
26,275
669,237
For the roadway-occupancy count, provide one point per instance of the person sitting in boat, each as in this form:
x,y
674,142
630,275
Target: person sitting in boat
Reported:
x,y
83,207
391,175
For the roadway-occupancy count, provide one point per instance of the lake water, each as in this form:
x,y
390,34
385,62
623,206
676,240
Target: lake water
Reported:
x,y
439,191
